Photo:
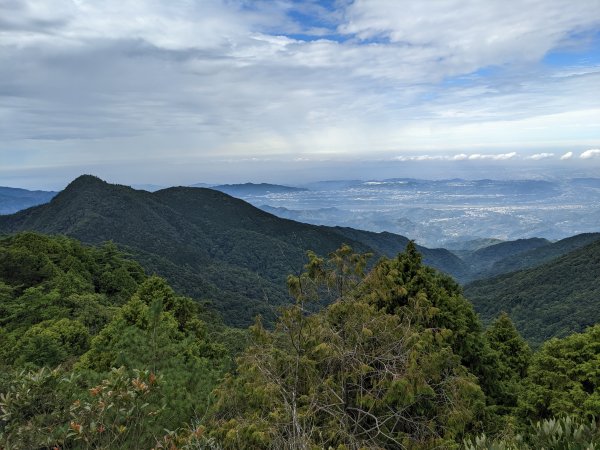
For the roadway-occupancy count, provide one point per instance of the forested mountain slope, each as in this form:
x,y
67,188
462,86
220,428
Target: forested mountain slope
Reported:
x,y
207,244
481,261
540,255
554,299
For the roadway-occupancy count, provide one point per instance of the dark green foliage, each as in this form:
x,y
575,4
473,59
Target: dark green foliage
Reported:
x,y
564,378
207,244
552,300
484,261
396,285
513,356
542,254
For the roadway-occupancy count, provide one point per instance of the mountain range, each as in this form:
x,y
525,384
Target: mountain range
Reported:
x,y
208,244
235,257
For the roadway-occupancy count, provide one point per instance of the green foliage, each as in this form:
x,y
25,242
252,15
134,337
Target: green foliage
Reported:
x,y
88,311
119,413
51,342
354,375
564,378
34,409
406,287
513,356
551,300
392,358
54,295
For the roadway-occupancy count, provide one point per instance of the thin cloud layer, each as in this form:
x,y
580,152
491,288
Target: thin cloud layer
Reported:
x,y
83,82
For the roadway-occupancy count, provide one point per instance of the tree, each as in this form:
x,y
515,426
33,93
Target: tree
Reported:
x,y
351,376
564,378
513,356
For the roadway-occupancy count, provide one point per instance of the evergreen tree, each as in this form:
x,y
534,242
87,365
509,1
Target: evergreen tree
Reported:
x,y
513,355
351,376
564,378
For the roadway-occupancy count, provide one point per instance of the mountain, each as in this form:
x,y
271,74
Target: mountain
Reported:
x,y
471,245
545,253
554,299
15,199
253,189
207,244
482,260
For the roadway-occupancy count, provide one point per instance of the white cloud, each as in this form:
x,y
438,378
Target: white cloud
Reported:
x,y
458,157
591,153
538,156
566,156
493,157
82,80
473,33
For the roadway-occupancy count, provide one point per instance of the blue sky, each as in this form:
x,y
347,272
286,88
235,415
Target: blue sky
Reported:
x,y
286,91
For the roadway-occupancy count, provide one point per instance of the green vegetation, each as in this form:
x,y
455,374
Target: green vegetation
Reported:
x,y
484,261
95,354
207,244
88,342
522,254
551,300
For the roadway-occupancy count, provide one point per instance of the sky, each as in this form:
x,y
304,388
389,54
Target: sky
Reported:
x,y
187,91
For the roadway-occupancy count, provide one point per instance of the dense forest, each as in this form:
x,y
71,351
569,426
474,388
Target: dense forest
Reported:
x,y
96,353
553,299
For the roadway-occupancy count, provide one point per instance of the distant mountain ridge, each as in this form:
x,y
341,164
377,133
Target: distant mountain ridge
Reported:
x,y
16,199
206,243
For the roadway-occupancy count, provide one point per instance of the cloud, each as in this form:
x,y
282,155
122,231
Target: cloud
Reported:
x,y
538,156
88,81
566,156
458,157
496,157
471,33
591,153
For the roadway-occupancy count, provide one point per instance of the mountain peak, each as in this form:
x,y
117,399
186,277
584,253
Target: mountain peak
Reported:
x,y
86,180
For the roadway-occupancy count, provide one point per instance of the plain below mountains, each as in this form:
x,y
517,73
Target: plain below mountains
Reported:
x,y
207,244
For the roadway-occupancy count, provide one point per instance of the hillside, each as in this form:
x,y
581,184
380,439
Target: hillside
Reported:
x,y
482,260
540,255
557,298
208,245
15,199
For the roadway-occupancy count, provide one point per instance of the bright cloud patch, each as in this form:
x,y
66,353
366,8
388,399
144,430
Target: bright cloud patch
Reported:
x,y
566,156
538,156
591,153
458,157
498,157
